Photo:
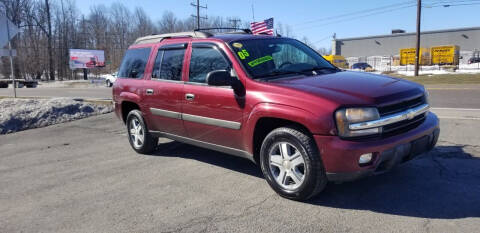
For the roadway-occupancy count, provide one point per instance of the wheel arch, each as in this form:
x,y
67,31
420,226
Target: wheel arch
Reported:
x,y
266,117
126,107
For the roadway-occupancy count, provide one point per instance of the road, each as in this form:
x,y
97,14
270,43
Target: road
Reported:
x,y
85,93
83,176
444,96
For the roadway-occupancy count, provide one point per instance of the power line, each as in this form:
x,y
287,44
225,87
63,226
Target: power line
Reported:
x,y
450,5
381,10
358,17
356,12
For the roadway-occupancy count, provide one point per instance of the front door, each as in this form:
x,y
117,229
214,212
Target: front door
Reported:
x,y
211,114
164,90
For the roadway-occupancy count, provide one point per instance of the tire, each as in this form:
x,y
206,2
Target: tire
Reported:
x,y
108,83
298,145
136,130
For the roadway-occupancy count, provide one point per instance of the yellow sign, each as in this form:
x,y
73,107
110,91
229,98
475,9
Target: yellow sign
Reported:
x,y
445,55
407,56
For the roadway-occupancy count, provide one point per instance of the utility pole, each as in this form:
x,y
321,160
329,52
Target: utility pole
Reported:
x,y
198,6
10,55
417,50
234,22
51,71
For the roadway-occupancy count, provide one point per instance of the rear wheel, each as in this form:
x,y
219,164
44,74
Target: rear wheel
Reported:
x,y
108,83
291,164
138,136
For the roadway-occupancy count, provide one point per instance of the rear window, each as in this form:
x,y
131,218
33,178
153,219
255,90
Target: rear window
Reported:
x,y
134,62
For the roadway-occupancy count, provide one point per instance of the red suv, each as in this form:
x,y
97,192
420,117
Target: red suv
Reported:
x,y
274,101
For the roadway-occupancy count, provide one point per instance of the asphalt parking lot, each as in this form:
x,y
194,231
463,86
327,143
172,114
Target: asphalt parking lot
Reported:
x,y
83,176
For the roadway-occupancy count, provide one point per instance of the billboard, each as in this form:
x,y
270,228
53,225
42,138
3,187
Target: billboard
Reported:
x,y
86,59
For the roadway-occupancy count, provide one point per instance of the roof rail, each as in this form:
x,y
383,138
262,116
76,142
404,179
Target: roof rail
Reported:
x,y
237,30
160,37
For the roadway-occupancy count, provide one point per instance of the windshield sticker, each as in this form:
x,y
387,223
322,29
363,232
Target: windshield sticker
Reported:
x,y
237,45
260,60
243,54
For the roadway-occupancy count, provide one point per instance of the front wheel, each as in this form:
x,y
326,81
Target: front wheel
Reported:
x,y
138,136
291,164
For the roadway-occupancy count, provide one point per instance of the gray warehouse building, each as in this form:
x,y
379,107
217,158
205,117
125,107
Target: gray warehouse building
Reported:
x,y
389,45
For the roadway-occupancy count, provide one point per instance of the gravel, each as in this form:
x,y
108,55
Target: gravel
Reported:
x,y
22,114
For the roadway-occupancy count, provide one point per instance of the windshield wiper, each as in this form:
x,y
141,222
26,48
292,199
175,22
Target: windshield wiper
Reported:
x,y
315,68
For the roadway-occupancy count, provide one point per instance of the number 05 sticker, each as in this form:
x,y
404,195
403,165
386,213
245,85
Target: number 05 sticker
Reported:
x,y
243,54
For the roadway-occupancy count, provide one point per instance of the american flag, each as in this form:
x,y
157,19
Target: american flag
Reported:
x,y
264,27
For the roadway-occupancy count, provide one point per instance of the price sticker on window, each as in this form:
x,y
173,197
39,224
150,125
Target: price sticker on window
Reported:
x,y
243,54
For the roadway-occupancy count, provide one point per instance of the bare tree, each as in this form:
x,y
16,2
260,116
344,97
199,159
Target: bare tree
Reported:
x,y
51,28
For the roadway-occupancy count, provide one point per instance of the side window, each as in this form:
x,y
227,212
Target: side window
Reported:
x,y
134,62
168,64
203,61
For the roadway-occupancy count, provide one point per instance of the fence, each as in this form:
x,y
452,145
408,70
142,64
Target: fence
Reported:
x,y
392,63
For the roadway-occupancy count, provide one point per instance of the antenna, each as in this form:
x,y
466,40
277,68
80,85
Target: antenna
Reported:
x,y
198,6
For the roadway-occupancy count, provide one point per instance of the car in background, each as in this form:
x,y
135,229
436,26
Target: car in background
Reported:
x,y
337,60
474,60
361,66
110,79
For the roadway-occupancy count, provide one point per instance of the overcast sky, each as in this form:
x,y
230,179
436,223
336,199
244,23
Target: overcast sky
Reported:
x,y
319,19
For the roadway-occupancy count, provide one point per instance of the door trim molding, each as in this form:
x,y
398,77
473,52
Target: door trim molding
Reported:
x,y
197,119
211,121
166,113
207,145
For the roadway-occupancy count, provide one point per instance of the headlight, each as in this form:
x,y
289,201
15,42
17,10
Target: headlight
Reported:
x,y
347,116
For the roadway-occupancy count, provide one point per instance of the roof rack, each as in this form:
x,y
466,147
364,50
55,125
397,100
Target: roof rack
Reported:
x,y
237,30
160,37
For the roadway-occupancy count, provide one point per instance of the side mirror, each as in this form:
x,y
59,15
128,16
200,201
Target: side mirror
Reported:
x,y
219,78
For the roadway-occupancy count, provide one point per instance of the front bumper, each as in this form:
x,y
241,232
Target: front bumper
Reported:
x,y
340,157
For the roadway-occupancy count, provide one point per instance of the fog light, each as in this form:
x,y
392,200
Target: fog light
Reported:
x,y
365,158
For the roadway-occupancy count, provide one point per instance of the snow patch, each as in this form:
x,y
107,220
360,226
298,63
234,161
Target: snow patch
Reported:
x,y
22,114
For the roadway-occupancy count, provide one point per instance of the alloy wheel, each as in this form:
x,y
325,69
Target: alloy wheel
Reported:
x,y
137,133
287,165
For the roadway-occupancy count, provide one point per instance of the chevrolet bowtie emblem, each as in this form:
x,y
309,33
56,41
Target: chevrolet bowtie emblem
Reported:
x,y
410,114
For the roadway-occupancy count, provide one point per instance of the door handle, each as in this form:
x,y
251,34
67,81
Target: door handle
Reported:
x,y
149,91
189,96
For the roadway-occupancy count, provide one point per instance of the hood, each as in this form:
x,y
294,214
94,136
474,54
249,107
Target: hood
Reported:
x,y
348,87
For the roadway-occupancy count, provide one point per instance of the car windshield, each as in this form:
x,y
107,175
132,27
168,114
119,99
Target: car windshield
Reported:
x,y
270,58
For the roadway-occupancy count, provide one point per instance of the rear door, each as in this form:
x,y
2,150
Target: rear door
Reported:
x,y
211,114
164,90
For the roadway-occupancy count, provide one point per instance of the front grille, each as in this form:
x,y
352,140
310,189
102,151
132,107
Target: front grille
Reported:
x,y
401,106
405,125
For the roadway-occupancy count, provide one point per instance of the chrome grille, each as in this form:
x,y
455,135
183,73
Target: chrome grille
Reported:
x,y
401,106
405,125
